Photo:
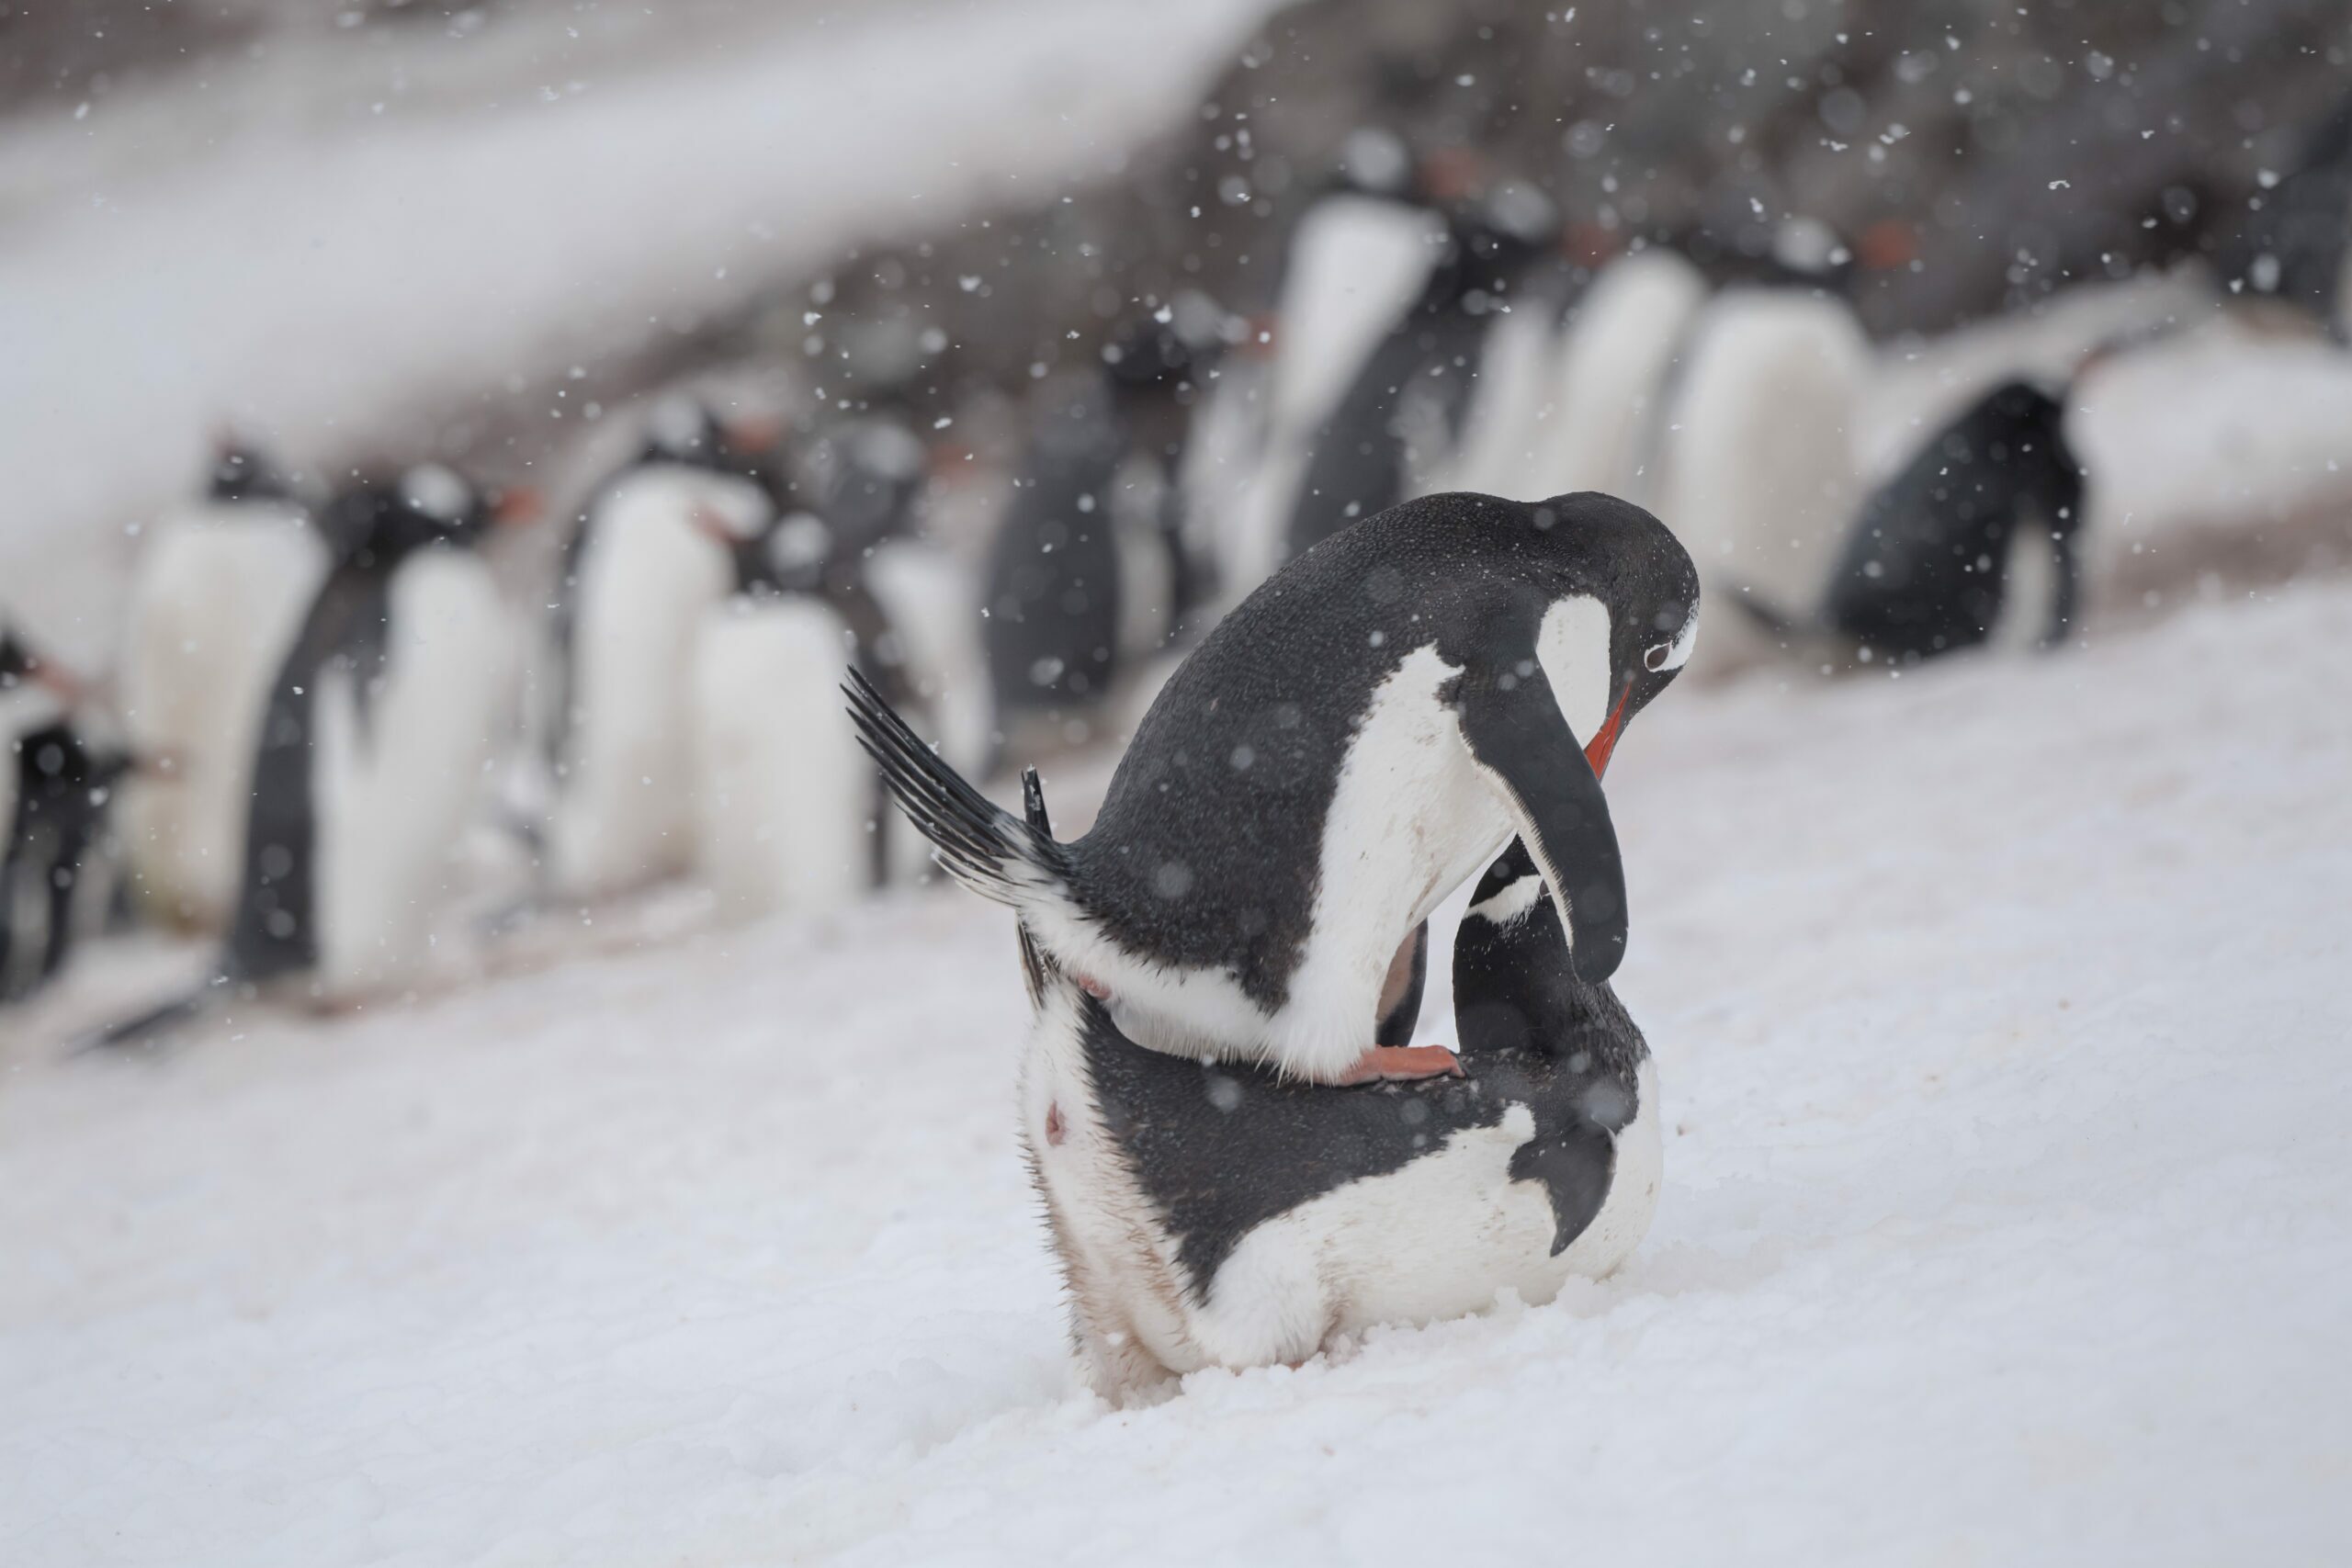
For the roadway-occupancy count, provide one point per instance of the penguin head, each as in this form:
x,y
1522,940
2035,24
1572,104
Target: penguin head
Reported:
x,y
380,519
240,473
1600,548
685,430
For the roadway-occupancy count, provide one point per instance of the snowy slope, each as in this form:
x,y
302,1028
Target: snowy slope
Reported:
x,y
2001,1021
324,245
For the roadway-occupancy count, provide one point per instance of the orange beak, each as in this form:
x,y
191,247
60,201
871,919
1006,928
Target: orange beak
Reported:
x,y
519,506
749,437
1595,751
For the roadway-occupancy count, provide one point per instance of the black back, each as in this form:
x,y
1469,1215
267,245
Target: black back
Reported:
x,y
2292,246
1925,571
1221,1149
62,794
1054,593
380,524
1207,850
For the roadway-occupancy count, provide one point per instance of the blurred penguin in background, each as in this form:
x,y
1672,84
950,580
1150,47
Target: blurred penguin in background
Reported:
x,y
1358,257
1405,408
789,810
216,596
1973,541
1090,572
1759,474
54,870
650,559
375,747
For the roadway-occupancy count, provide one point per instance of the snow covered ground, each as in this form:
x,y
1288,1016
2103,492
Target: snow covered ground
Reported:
x,y
2001,1019
328,241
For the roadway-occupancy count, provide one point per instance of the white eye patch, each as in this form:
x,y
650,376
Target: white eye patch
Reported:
x,y
1676,654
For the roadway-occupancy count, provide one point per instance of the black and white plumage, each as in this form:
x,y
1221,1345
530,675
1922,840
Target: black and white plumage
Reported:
x,y
217,596
648,561
1222,1215
1972,541
1350,743
1404,411
373,750
1088,572
55,816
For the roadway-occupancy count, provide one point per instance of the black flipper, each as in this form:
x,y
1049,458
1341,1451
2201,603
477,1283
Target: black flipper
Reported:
x,y
1396,1025
1519,739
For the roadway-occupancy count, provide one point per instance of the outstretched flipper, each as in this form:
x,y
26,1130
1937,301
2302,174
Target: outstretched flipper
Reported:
x,y
1523,744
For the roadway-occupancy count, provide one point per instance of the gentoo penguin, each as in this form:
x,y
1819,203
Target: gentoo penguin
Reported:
x,y
1595,427
1339,753
23,664
1760,474
217,595
1972,541
1356,259
1088,573
1224,1215
1404,411
648,562
790,813
374,747
56,824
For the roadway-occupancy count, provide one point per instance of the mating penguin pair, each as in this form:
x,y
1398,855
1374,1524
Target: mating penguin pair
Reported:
x,y
373,746
1353,742
1210,1215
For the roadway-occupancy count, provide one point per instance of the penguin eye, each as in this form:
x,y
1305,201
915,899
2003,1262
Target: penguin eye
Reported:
x,y
1655,659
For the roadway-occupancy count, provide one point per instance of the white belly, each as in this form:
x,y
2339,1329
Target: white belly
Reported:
x,y
785,799
624,814
216,604
393,805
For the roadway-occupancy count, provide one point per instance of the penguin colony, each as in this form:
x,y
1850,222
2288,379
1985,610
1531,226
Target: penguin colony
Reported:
x,y
304,671
333,717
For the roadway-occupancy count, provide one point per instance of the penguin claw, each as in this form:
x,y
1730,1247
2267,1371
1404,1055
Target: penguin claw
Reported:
x,y
1402,1063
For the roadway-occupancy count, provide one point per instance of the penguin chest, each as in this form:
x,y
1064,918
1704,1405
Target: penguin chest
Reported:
x,y
1411,818
395,780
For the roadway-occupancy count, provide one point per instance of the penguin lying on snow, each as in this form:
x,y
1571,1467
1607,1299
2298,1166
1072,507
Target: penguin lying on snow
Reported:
x,y
374,747
1226,1216
219,590
1342,750
56,827
1975,540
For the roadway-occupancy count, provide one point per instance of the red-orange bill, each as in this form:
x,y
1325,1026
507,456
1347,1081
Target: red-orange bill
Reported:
x,y
1597,749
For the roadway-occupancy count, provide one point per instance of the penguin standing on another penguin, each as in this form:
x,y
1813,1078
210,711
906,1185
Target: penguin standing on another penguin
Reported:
x,y
219,590
374,748
1209,1216
1349,745
1088,573
1975,540
643,571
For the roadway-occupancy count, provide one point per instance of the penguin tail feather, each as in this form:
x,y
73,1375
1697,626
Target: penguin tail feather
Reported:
x,y
986,849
